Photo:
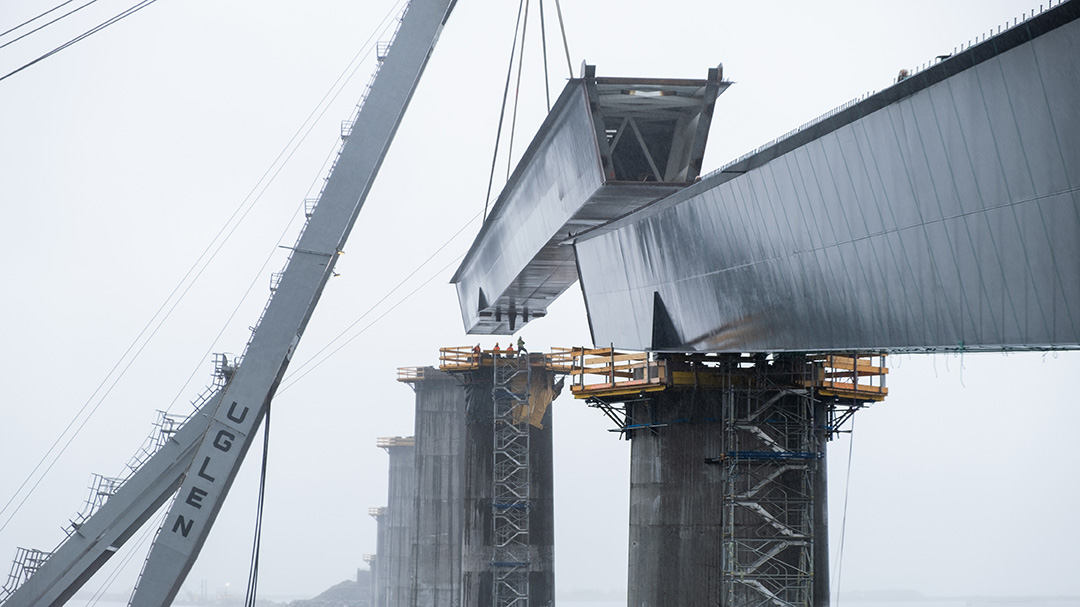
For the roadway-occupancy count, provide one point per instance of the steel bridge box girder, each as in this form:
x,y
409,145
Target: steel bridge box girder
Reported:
x,y
608,147
940,213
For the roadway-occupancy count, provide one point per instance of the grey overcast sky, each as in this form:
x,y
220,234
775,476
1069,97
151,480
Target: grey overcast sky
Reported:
x,y
122,157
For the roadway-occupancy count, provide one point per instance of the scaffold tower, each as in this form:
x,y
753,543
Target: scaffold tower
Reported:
x,y
770,459
510,481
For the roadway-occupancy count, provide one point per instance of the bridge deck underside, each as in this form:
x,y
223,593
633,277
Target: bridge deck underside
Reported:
x,y
942,213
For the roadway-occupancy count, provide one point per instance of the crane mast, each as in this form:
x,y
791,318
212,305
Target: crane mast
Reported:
x,y
199,462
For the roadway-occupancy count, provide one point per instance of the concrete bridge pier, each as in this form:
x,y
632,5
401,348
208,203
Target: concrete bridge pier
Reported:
x,y
728,490
478,555
440,436
395,568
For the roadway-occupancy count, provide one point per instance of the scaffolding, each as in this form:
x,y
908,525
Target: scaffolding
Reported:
x,y
770,460
510,481
777,412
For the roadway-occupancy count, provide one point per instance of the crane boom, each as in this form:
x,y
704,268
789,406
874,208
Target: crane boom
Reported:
x,y
204,456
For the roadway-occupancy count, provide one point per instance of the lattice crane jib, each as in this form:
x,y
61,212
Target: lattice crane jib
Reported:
x,y
199,460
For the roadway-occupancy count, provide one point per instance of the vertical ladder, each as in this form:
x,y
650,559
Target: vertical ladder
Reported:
x,y
510,482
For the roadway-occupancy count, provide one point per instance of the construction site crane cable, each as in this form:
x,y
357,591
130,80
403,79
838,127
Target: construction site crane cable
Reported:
x,y
253,573
517,92
41,27
521,29
502,110
187,281
38,16
126,13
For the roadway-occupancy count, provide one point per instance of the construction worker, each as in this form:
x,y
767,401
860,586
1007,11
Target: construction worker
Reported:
x,y
521,346
495,351
476,353
510,351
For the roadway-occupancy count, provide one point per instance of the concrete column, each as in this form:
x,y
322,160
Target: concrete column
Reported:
x,y
478,541
396,564
378,574
756,428
440,449
822,587
675,502
364,584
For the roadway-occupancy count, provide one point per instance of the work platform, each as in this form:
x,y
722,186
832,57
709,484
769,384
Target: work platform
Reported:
x,y
608,374
608,147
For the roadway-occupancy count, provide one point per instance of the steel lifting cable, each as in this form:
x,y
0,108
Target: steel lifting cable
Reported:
x,y
33,19
566,47
502,111
517,92
543,45
253,573
41,27
126,13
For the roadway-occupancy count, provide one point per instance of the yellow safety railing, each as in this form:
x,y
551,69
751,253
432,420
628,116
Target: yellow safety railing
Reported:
x,y
600,371
850,376
395,441
410,374
459,358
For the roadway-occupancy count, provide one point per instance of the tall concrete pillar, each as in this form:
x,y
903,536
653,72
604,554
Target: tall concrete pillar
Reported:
x,y
378,574
727,491
396,564
440,450
478,549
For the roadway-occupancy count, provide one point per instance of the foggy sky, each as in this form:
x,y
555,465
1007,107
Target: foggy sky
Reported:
x,y
122,157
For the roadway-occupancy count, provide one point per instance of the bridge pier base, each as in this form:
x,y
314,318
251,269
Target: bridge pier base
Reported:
x,y
728,490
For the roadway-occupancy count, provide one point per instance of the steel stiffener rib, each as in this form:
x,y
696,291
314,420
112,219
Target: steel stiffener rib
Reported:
x,y
942,213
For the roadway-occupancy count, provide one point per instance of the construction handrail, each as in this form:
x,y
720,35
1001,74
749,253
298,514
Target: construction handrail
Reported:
x,y
410,374
850,375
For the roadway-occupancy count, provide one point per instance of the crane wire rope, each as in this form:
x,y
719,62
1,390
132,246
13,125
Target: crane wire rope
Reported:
x,y
41,27
253,573
517,93
543,45
566,47
300,368
843,520
502,111
311,121
372,323
150,329
126,13
522,27
33,19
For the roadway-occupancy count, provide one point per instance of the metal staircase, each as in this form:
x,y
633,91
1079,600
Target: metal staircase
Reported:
x,y
771,456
